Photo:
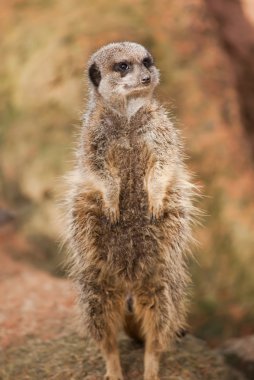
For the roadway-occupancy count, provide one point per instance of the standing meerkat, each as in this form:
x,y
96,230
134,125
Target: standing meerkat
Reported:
x,y
129,210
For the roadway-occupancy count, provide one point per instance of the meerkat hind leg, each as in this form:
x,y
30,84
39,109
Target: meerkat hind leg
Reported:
x,y
113,366
109,348
149,309
151,360
103,313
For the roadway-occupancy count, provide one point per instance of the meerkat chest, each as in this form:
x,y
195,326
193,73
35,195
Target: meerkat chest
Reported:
x,y
134,105
123,147
130,162
122,150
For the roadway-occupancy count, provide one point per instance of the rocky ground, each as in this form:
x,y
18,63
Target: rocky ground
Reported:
x,y
240,353
72,357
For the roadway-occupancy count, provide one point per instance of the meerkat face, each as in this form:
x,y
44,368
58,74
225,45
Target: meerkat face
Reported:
x,y
123,70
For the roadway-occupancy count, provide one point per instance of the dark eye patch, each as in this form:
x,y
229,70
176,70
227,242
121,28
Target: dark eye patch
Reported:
x,y
147,62
122,67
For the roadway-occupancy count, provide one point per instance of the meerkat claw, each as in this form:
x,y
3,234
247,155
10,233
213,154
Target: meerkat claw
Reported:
x,y
113,215
156,212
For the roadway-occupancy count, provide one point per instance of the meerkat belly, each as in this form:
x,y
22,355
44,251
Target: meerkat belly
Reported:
x,y
131,242
133,202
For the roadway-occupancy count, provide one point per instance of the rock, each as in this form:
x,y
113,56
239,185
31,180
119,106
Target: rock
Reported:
x,y
73,357
240,354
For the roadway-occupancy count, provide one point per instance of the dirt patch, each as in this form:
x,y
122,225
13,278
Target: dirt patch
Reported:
x,y
72,357
32,302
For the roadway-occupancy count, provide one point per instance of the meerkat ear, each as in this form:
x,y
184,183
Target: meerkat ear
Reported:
x,y
94,74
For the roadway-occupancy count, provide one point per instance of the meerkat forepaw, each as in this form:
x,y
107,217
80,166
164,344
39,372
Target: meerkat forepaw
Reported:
x,y
156,210
111,207
113,214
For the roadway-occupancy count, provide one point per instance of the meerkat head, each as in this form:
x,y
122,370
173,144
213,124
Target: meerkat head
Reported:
x,y
121,72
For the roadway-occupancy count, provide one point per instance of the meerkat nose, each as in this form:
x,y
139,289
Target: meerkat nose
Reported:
x,y
146,79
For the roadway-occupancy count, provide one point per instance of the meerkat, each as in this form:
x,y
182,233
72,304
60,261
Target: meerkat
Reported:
x,y
129,210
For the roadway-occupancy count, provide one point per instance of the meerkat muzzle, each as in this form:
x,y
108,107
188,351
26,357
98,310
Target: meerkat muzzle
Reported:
x,y
146,80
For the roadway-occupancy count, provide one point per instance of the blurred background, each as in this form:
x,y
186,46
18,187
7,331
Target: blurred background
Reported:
x,y
204,50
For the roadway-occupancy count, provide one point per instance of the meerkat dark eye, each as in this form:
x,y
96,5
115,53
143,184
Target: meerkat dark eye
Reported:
x,y
121,67
147,62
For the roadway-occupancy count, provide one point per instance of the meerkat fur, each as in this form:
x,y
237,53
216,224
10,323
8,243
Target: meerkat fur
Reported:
x,y
129,210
